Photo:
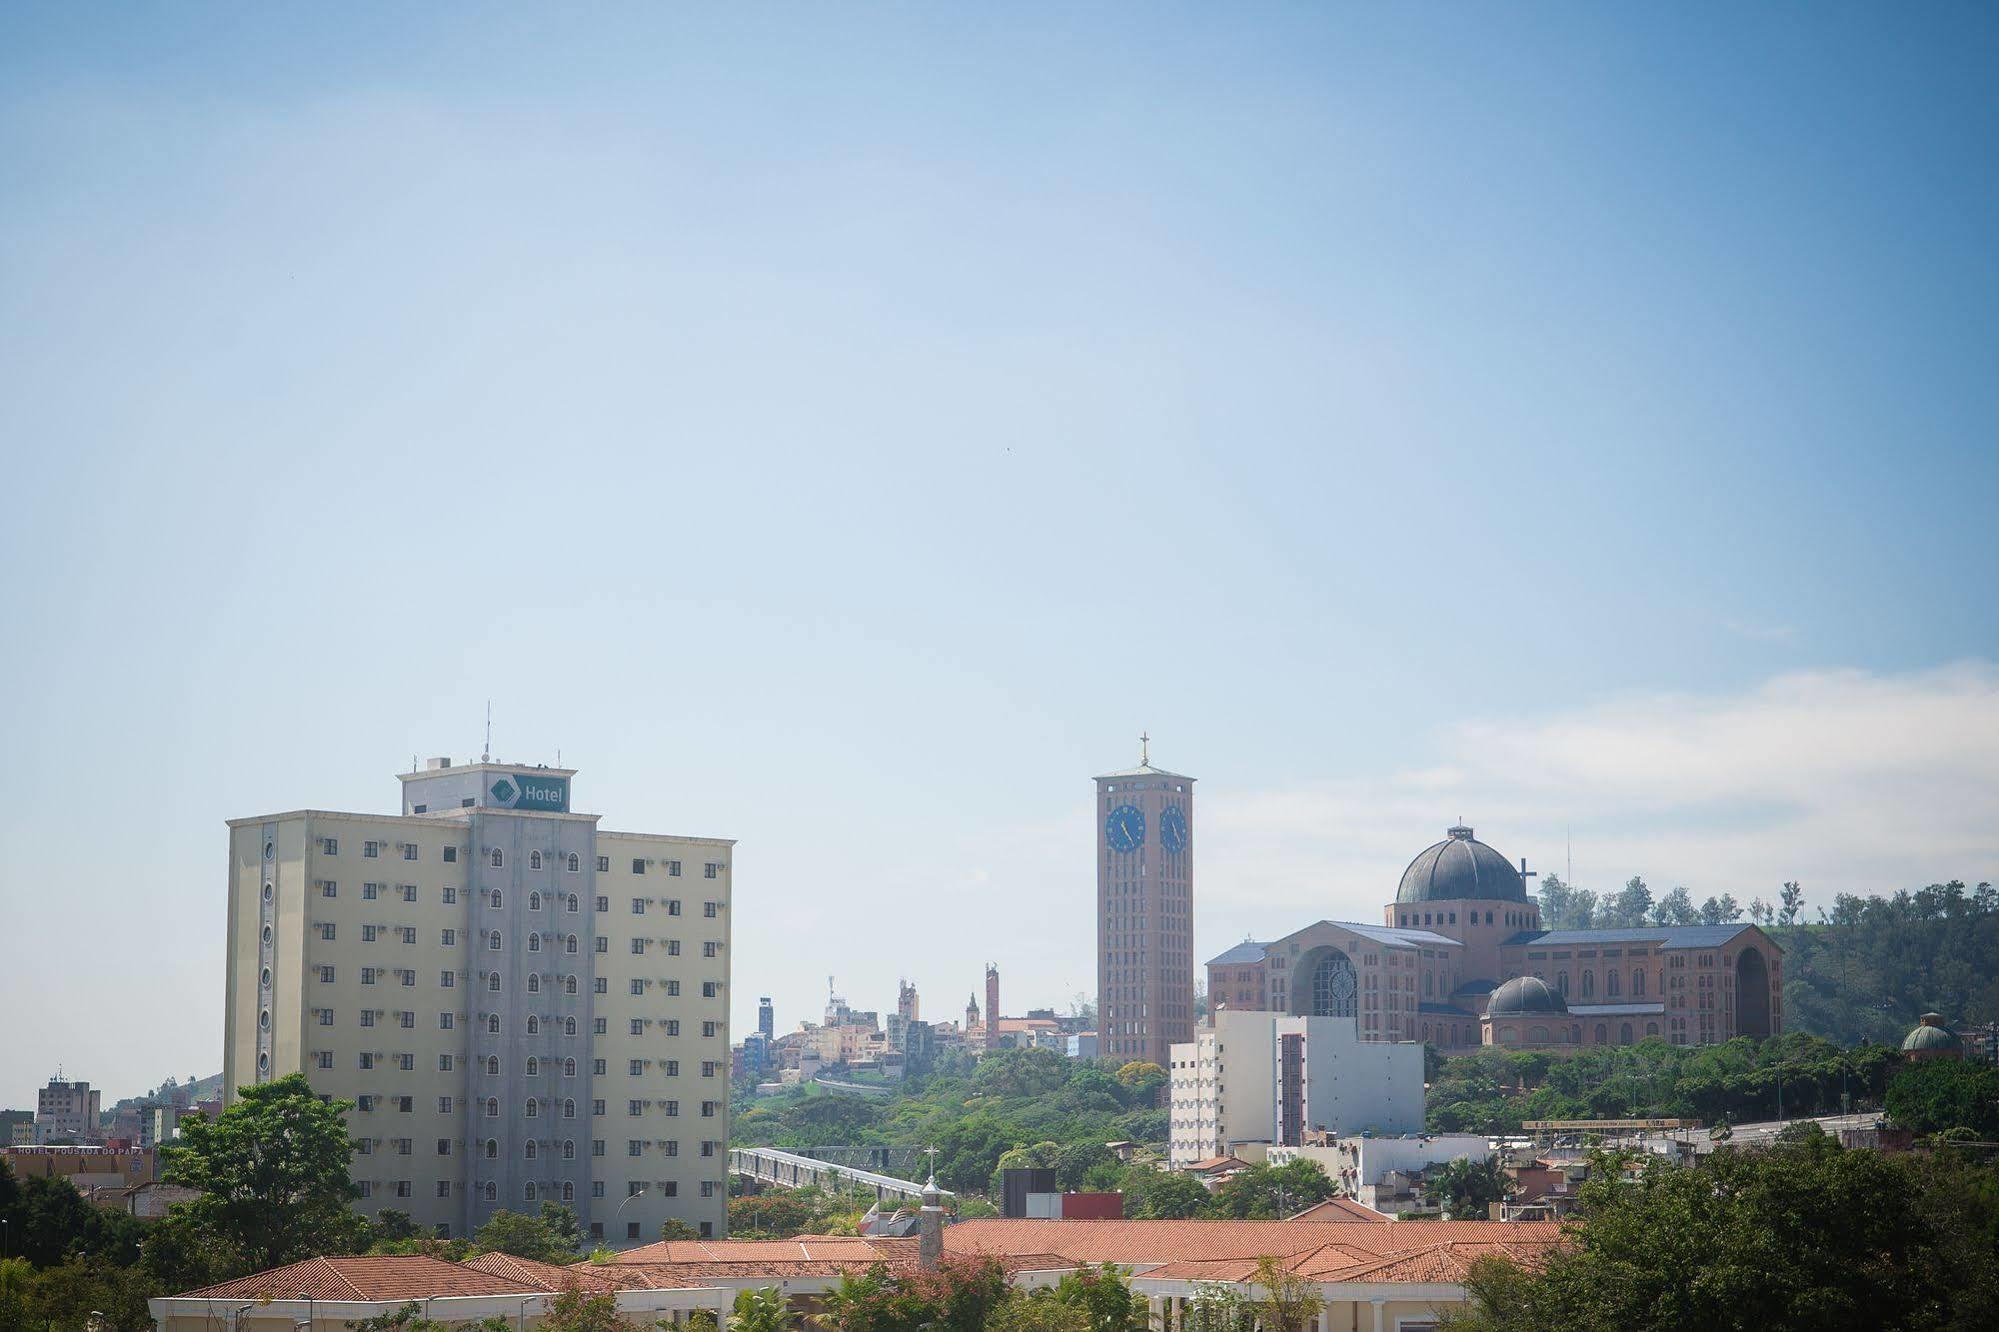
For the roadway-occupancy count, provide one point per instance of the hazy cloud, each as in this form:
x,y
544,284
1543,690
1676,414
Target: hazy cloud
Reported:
x,y
1847,780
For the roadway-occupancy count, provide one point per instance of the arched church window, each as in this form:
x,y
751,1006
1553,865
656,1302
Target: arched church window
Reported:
x,y
1333,985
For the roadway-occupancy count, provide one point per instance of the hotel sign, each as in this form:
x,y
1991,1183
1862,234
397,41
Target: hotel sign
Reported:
x,y
524,790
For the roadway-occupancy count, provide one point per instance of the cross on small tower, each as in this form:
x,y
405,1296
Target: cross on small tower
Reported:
x,y
1144,750
931,1152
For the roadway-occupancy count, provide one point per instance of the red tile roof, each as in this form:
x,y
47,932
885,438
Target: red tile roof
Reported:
x,y
1339,1209
1227,1250
804,1248
551,1276
377,1277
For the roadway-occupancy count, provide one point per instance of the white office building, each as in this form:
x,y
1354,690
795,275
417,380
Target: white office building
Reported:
x,y
1275,1079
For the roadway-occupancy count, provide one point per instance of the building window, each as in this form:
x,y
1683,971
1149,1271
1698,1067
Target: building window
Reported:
x,y
638,1027
451,855
534,860
371,850
534,943
639,986
638,945
496,859
673,906
673,948
534,982
708,871
710,948
409,850
673,989
638,906
603,864
638,865
573,903
638,1068
711,909
709,989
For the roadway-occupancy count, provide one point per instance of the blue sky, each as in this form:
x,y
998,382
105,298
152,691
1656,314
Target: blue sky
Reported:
x,y
844,429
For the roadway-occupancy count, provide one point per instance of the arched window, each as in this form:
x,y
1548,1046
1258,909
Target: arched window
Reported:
x,y
569,1106
534,899
493,1063
572,896
570,985
1539,1035
534,943
1637,983
569,1068
1428,982
492,1191
1333,985
493,942
574,865
529,1111
1509,1035
569,945
534,1065
569,1149
534,860
1624,1034
492,1107
528,1190
1562,985
497,860
1651,1029
492,1149
569,1026
534,982
496,899
1602,1034
1589,982
568,1191
1612,985
534,1029
493,982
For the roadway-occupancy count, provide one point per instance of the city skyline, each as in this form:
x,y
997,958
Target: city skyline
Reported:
x,y
1573,421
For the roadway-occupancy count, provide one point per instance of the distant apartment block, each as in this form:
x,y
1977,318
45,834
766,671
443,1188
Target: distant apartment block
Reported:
x,y
68,1112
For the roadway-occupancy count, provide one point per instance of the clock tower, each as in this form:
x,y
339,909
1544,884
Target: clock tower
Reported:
x,y
1145,911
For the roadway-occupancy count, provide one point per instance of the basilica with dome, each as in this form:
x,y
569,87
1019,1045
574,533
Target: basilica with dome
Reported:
x,y
1461,961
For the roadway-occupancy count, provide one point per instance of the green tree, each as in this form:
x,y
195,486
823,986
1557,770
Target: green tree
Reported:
x,y
1675,908
1162,1195
1038,1311
1272,1192
673,1228
1938,1095
1104,1298
1794,900
1218,1307
531,1237
272,1171
1803,1236
1281,1300
1720,910
1141,1079
575,1310
762,1310
1466,1186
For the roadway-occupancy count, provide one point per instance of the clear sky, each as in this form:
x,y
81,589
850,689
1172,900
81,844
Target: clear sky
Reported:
x,y
845,428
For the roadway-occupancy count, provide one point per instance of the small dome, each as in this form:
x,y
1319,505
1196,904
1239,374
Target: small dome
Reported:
x,y
1931,1034
1525,994
1458,869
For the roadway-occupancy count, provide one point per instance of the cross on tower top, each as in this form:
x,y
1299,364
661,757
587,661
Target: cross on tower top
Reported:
x,y
1144,750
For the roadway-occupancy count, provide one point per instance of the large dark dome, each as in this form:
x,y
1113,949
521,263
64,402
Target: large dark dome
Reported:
x,y
1525,994
1461,868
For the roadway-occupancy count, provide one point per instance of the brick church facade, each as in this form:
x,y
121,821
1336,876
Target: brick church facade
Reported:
x,y
1462,961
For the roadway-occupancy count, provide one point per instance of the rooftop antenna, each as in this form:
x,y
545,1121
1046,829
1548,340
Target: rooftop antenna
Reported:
x,y
486,755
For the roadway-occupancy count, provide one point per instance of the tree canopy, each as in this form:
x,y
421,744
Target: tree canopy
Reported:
x,y
273,1174
1801,1236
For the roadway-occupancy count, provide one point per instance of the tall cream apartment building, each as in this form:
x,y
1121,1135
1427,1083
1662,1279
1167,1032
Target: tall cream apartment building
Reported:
x,y
523,1006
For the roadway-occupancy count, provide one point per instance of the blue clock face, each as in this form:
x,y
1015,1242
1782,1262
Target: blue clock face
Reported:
x,y
1125,828
1173,829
